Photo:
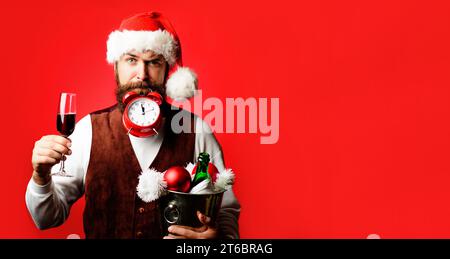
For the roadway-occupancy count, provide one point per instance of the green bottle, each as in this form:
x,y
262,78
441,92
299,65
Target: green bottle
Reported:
x,y
201,173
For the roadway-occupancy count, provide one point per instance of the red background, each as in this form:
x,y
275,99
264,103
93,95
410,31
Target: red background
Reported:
x,y
364,106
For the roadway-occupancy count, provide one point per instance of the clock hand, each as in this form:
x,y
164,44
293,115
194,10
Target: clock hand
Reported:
x,y
151,109
143,109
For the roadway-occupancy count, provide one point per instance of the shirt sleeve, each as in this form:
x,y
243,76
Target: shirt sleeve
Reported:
x,y
49,205
228,217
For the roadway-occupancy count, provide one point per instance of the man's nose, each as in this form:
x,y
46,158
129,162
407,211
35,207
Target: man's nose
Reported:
x,y
142,71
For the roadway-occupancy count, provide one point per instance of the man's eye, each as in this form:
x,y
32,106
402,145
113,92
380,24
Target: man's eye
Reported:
x,y
131,60
155,62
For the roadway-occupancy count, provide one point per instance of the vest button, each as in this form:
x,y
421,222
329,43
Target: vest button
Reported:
x,y
141,210
139,234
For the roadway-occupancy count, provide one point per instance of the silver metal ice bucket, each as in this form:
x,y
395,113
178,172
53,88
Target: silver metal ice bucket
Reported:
x,y
179,208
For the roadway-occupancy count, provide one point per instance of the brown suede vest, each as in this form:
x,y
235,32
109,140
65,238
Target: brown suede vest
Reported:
x,y
113,209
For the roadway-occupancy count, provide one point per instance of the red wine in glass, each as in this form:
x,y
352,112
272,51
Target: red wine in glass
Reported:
x,y
65,121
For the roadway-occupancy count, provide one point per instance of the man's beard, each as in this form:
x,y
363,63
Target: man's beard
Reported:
x,y
142,88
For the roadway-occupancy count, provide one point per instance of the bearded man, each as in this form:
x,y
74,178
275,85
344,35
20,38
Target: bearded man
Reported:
x,y
105,161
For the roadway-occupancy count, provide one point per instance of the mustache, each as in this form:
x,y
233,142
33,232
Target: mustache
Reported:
x,y
141,87
135,85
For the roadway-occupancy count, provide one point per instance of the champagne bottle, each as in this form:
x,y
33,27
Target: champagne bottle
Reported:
x,y
201,173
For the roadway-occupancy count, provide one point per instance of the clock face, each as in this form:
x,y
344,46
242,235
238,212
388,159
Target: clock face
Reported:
x,y
143,112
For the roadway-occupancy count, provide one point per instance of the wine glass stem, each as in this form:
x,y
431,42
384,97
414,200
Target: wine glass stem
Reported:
x,y
62,164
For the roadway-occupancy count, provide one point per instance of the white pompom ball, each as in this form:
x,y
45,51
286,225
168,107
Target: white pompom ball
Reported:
x,y
182,84
225,180
151,185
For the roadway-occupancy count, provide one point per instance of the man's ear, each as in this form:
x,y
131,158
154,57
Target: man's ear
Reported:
x,y
116,73
166,74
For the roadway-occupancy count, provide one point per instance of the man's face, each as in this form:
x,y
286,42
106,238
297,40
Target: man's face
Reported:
x,y
140,72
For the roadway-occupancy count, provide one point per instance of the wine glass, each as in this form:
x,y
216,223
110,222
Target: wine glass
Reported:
x,y
65,122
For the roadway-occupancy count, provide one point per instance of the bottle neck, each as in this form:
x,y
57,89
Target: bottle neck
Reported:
x,y
203,162
202,167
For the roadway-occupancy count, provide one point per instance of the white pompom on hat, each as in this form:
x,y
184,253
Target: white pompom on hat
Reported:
x,y
152,31
151,185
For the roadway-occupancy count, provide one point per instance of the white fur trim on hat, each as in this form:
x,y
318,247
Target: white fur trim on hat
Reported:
x,y
159,41
182,84
225,180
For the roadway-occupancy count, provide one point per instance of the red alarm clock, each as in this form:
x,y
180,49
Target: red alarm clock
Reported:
x,y
142,113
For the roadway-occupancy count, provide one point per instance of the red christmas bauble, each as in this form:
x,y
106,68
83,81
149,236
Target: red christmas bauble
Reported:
x,y
178,179
212,171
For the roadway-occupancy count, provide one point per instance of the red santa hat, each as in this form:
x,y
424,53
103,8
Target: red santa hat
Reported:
x,y
152,31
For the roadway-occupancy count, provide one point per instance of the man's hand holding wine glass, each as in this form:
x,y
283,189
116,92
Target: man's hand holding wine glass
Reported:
x,y
51,149
47,152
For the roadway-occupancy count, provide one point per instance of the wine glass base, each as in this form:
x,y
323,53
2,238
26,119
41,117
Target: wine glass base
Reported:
x,y
62,174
